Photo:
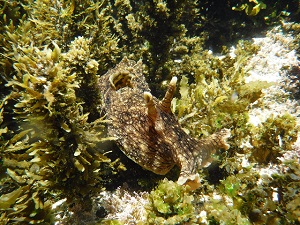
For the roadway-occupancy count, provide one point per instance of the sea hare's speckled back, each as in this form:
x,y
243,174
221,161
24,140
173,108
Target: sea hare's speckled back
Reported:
x,y
145,128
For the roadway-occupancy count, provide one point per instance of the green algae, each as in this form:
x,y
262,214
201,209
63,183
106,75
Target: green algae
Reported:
x,y
252,8
258,198
275,136
219,92
50,147
170,203
52,127
55,144
267,11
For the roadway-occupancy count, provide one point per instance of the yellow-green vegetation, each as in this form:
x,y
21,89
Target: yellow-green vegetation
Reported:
x,y
171,203
249,197
51,123
52,126
218,96
275,136
251,8
51,144
267,11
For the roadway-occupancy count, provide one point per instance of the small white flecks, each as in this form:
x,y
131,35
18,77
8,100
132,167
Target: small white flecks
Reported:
x,y
267,65
217,197
256,119
234,96
231,53
246,144
178,60
279,140
203,217
58,203
275,195
204,198
228,200
266,173
125,206
245,162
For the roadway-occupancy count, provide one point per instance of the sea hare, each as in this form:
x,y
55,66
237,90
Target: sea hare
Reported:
x,y
147,131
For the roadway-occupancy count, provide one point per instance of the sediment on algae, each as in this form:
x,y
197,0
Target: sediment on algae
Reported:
x,y
52,53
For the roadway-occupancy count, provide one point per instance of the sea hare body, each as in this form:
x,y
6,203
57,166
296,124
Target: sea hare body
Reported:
x,y
145,128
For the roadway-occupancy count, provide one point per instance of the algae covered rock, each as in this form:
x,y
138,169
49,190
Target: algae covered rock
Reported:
x,y
171,203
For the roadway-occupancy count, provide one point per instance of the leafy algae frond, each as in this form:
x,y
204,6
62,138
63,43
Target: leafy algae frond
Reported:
x,y
275,136
51,131
219,96
55,144
171,203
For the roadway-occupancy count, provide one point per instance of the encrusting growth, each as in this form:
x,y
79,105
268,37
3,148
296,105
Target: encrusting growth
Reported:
x,y
147,131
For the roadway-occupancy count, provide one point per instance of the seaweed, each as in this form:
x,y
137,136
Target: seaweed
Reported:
x,y
274,137
170,203
252,8
219,91
54,147
51,133
258,196
52,127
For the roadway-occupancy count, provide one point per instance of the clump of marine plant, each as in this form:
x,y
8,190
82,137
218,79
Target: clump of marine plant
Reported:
x,y
267,11
52,146
170,203
258,195
273,137
51,123
251,8
215,94
51,127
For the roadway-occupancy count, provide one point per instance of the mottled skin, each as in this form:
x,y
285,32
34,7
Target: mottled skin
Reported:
x,y
145,128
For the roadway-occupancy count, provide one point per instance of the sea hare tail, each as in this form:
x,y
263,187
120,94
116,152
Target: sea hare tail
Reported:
x,y
209,145
203,158
192,180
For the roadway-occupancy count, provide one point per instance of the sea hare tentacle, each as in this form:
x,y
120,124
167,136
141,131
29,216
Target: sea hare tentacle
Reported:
x,y
147,131
166,102
152,110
